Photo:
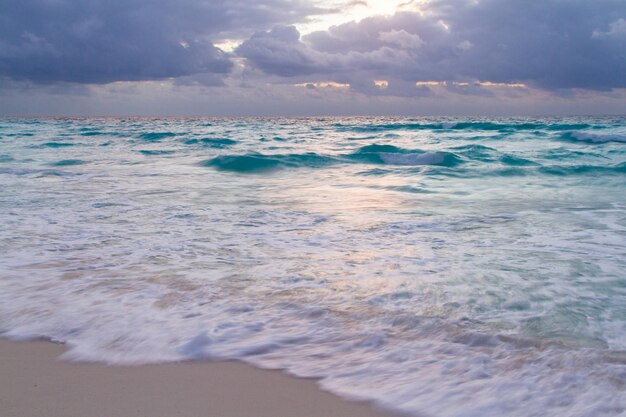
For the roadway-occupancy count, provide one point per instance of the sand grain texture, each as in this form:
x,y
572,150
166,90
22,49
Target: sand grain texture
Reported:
x,y
35,383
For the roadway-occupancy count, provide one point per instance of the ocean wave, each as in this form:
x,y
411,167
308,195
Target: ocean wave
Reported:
x,y
516,161
519,168
260,162
477,125
36,172
594,137
567,170
565,153
156,136
67,162
156,152
211,142
56,145
371,154
92,133
476,152
414,159
393,155
17,135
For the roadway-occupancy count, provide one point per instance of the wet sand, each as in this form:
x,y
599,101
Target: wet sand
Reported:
x,y
34,382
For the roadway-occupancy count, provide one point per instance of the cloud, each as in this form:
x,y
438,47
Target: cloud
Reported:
x,y
550,45
101,41
401,38
281,52
616,29
450,52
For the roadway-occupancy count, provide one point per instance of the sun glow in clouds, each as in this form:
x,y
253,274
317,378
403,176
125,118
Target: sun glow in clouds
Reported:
x,y
323,84
342,12
384,84
429,83
509,85
466,84
355,10
228,45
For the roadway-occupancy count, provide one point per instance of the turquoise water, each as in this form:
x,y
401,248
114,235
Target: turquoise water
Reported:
x,y
441,267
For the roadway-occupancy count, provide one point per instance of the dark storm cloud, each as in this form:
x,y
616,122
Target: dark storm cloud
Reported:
x,y
100,41
550,44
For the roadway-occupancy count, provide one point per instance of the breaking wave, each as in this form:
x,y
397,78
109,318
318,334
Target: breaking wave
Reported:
x,y
594,137
372,154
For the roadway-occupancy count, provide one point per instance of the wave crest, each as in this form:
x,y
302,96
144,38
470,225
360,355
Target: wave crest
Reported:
x,y
371,154
259,162
392,155
156,136
593,137
473,125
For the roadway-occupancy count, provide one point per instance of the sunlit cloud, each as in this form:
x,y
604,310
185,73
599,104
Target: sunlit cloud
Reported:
x,y
429,83
509,85
228,45
469,84
323,84
348,11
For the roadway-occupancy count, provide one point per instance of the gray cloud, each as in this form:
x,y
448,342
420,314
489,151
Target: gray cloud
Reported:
x,y
280,52
555,45
98,41
552,44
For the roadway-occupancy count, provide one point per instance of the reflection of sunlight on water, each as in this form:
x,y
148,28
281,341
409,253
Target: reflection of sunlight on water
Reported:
x,y
356,204
351,202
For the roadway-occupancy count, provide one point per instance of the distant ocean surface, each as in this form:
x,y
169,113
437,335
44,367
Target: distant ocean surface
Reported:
x,y
443,267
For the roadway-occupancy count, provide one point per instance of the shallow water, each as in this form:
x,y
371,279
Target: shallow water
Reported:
x,y
443,267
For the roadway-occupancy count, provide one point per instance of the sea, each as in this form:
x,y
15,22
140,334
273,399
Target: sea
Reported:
x,y
438,267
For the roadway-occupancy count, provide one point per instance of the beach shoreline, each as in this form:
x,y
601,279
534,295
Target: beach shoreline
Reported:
x,y
34,382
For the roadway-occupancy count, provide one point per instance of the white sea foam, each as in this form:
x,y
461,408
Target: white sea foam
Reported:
x,y
598,138
413,159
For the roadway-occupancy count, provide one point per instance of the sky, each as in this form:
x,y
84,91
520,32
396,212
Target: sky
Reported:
x,y
312,57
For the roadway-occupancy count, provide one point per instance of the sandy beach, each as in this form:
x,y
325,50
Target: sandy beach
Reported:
x,y
34,382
